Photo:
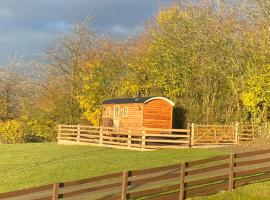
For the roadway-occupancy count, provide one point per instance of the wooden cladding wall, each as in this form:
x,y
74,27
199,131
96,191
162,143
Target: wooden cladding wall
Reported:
x,y
174,182
157,114
134,119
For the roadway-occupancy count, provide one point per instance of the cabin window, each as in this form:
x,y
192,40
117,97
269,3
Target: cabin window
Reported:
x,y
116,112
125,112
108,112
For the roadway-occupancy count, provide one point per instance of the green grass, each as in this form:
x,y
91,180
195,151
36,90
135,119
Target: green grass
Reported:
x,y
28,165
258,191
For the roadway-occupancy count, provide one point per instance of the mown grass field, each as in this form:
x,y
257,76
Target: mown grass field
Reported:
x,y
28,165
258,191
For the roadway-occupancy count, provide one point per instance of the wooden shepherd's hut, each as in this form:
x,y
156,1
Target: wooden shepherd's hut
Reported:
x,y
148,112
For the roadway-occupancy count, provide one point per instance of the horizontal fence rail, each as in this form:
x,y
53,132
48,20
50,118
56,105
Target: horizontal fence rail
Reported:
x,y
174,182
215,134
153,138
249,132
147,138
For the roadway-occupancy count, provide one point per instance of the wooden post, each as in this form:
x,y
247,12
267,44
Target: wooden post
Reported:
x,y
253,132
192,134
100,136
124,186
262,130
182,181
143,139
236,133
58,133
78,133
189,128
129,138
55,191
231,172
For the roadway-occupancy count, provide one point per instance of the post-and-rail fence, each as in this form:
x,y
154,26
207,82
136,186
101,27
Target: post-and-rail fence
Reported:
x,y
154,138
174,182
147,138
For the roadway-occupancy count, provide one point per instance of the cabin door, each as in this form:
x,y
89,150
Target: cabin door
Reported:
x,y
116,117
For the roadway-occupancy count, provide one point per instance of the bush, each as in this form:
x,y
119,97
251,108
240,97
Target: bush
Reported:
x,y
12,132
21,131
40,130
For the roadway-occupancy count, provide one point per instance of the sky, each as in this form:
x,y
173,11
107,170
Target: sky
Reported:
x,y
28,27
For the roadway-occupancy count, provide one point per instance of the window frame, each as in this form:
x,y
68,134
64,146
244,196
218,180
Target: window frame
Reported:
x,y
116,107
108,112
125,111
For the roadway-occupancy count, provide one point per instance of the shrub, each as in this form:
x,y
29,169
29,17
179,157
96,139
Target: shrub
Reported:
x,y
22,131
40,130
12,131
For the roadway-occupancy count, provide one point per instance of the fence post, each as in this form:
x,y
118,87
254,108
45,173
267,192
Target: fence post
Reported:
x,y
231,172
129,138
192,134
182,181
189,133
58,133
124,186
55,191
78,133
253,132
100,136
236,133
143,139
267,130
262,130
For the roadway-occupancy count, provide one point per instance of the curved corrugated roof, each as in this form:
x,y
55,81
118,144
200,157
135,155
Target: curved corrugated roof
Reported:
x,y
135,100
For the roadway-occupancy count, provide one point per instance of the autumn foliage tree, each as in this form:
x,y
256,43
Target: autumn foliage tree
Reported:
x,y
211,58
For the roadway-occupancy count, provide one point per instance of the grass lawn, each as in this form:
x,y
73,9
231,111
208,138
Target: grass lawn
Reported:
x,y
258,191
28,165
